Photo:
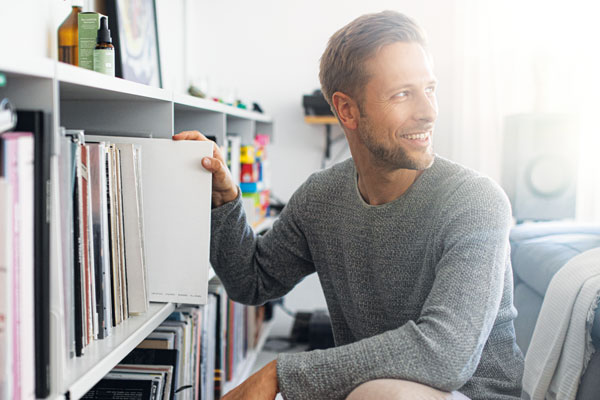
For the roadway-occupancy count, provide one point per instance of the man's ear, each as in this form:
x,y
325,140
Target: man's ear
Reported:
x,y
346,109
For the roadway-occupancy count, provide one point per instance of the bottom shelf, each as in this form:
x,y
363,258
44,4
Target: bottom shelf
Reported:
x,y
102,355
245,368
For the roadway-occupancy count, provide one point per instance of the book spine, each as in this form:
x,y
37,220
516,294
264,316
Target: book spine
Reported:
x,y
78,271
114,237
26,208
98,199
91,250
14,384
6,290
86,246
106,271
120,236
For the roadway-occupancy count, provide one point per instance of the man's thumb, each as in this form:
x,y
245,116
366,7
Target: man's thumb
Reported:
x,y
210,164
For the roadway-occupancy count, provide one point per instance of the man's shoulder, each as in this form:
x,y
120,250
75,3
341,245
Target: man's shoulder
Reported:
x,y
460,185
334,179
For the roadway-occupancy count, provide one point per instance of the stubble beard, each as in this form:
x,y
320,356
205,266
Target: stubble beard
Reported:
x,y
392,158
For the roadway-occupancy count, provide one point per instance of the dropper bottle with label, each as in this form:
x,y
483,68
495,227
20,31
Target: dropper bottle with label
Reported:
x,y
68,36
104,53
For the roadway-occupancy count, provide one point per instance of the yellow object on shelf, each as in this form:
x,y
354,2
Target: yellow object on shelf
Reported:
x,y
247,155
321,119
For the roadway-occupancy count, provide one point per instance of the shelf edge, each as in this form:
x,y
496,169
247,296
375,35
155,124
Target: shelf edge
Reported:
x,y
84,383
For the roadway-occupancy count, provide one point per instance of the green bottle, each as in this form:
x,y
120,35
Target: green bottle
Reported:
x,y
104,53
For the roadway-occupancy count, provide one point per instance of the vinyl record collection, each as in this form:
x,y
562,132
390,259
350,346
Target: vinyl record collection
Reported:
x,y
103,246
191,355
100,229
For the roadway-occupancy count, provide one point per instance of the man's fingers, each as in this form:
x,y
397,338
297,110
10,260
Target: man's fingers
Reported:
x,y
189,135
217,152
213,165
195,135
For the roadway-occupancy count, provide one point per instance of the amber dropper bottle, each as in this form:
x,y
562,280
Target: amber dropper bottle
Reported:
x,y
104,53
68,36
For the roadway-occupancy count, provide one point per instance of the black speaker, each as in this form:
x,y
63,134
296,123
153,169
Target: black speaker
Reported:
x,y
539,171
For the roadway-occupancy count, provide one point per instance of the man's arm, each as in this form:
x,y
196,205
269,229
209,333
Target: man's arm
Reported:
x,y
442,348
255,268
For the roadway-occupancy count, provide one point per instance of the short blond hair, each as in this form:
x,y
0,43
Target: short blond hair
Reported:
x,y
342,63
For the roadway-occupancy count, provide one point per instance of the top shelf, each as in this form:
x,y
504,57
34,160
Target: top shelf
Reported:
x,y
38,68
80,84
184,102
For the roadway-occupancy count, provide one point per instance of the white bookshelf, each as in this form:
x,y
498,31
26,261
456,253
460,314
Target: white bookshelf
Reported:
x,y
183,100
83,99
83,84
102,355
244,369
40,68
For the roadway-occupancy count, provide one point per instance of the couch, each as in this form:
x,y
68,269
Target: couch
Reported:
x,y
538,251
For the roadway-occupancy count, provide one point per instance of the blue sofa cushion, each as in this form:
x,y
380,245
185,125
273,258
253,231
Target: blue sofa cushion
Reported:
x,y
536,260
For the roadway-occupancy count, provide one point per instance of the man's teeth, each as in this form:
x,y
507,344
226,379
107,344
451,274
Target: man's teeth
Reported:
x,y
419,136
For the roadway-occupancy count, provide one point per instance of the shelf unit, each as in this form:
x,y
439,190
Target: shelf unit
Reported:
x,y
102,355
83,99
245,367
328,121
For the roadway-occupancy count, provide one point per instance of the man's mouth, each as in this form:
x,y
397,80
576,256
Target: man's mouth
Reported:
x,y
418,136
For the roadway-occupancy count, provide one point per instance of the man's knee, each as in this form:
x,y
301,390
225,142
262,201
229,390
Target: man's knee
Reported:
x,y
396,389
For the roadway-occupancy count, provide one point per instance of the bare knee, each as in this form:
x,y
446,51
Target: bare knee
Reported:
x,y
396,389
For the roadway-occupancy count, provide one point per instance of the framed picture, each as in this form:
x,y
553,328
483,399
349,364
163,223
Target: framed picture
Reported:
x,y
134,32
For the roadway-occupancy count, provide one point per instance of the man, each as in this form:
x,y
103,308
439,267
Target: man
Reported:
x,y
411,249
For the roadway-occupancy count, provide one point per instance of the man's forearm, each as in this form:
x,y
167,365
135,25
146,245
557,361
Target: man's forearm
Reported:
x,y
255,269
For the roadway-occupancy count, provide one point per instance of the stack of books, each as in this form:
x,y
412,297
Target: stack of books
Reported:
x,y
25,158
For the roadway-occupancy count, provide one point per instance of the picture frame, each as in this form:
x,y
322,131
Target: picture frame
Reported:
x,y
134,30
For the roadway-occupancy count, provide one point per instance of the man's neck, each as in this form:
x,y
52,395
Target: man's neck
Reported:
x,y
379,186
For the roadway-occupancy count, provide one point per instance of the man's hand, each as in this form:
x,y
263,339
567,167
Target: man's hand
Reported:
x,y
223,189
260,386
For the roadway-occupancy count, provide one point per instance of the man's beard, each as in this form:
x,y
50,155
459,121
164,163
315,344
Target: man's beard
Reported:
x,y
393,158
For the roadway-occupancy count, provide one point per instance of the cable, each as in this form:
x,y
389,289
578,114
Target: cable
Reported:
x,y
286,310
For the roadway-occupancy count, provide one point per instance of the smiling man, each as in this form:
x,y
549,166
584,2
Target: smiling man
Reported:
x,y
411,249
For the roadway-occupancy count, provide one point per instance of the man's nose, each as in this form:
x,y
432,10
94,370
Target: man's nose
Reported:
x,y
426,108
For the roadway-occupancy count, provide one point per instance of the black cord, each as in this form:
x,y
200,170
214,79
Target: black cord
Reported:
x,y
286,310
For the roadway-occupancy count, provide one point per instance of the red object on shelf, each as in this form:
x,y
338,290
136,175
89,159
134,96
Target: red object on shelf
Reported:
x,y
249,173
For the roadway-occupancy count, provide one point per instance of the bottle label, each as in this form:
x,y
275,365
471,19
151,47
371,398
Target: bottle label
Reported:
x,y
104,61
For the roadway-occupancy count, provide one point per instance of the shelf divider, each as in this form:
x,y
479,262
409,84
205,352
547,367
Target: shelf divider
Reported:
x,y
245,368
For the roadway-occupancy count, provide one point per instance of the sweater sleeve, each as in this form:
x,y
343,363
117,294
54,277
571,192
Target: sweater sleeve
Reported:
x,y
253,268
442,348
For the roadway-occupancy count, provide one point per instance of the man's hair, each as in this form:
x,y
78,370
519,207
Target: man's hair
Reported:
x,y
343,62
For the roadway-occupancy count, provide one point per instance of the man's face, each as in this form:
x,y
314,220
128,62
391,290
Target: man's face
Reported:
x,y
399,107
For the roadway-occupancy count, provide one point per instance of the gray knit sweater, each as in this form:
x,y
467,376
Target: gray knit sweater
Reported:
x,y
418,289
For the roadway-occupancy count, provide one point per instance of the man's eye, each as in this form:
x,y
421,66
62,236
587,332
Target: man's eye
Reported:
x,y
430,90
401,94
